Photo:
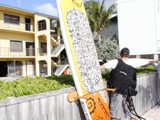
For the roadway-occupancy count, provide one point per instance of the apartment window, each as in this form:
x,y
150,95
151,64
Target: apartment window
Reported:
x,y
27,24
15,46
11,19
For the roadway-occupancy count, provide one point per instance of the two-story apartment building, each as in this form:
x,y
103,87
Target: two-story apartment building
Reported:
x,y
29,43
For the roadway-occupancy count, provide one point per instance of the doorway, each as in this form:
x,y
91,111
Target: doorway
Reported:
x,y
3,69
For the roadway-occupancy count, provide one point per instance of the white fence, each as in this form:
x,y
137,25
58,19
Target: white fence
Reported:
x,y
55,106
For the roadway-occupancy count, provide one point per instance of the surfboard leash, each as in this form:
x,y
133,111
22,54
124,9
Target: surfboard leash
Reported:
x,y
130,105
132,109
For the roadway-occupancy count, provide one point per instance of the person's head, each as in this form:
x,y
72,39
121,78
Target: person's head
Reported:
x,y
124,52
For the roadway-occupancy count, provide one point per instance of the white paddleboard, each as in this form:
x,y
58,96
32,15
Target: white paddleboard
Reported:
x,y
138,62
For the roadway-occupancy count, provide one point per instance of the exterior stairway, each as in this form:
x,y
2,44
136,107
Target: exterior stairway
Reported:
x,y
53,64
59,70
57,50
54,42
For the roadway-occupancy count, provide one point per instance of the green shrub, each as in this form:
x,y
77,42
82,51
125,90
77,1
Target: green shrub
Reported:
x,y
140,70
107,49
145,69
27,86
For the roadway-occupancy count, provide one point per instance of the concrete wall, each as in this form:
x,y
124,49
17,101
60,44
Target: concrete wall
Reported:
x,y
110,32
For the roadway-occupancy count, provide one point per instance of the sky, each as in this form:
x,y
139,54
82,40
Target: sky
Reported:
x,y
48,7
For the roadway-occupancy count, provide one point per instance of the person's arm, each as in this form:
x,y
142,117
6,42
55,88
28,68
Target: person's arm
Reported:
x,y
109,65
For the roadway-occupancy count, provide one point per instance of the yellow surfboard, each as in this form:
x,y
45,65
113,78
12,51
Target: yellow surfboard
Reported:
x,y
83,60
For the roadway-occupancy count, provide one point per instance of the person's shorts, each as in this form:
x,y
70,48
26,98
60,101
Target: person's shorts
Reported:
x,y
118,106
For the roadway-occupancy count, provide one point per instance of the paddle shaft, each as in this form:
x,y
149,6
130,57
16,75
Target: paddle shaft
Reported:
x,y
107,89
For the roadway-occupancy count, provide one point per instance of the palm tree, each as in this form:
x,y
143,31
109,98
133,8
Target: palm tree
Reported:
x,y
98,16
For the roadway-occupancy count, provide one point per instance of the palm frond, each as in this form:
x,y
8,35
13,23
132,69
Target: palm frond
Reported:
x,y
97,14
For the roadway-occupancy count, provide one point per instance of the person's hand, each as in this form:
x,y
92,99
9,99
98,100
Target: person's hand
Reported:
x,y
156,61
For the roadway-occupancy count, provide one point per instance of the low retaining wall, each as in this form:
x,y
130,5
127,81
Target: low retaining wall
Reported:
x,y
147,92
55,106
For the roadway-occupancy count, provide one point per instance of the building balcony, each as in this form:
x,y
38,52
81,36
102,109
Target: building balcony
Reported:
x,y
16,26
25,52
29,52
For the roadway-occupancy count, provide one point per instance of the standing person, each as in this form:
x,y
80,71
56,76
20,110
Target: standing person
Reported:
x,y
118,101
156,65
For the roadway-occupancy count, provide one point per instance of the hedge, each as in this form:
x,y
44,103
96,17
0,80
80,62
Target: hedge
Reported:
x,y
33,85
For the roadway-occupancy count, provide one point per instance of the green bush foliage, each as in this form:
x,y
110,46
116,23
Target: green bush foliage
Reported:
x,y
27,86
107,49
145,69
140,70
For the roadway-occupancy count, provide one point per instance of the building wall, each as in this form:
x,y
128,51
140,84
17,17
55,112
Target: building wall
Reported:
x,y
110,32
137,26
40,36
157,12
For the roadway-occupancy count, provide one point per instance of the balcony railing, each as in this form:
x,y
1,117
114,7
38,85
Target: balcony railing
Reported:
x,y
21,26
4,52
7,52
55,50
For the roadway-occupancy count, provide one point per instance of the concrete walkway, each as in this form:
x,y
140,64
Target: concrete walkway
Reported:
x,y
153,114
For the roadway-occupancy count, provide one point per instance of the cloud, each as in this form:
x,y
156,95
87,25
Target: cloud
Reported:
x,y
47,9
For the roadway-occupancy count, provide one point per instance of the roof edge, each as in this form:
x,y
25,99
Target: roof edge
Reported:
x,y
29,11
